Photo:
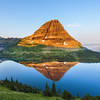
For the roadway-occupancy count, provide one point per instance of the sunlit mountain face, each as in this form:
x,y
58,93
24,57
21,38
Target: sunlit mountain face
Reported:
x,y
52,33
52,70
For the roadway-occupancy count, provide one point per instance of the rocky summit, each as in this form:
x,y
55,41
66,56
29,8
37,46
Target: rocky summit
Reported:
x,y
52,33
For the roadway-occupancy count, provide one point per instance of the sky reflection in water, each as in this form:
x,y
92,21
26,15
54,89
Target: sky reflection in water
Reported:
x,y
80,78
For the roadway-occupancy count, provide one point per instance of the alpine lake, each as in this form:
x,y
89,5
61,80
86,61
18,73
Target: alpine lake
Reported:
x,y
75,77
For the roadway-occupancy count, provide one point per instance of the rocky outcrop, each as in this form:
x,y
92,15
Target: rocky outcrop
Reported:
x,y
52,70
52,33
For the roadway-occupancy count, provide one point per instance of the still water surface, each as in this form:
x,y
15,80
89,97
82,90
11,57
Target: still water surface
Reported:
x,y
74,77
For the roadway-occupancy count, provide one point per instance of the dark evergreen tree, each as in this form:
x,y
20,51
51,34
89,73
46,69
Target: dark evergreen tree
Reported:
x,y
6,79
59,92
16,86
12,80
54,93
16,81
88,97
66,95
47,91
77,95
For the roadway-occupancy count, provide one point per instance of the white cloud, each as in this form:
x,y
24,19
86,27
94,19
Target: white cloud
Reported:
x,y
73,25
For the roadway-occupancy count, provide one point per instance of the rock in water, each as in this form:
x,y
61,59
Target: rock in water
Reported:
x,y
52,33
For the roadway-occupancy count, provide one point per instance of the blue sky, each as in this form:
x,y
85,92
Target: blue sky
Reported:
x,y
81,18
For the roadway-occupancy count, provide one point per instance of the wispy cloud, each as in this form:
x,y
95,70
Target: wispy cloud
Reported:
x,y
73,25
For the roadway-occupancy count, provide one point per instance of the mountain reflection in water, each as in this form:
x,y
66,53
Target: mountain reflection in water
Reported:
x,y
81,78
52,70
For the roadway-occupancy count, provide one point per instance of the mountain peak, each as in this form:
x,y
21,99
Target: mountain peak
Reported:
x,y
52,33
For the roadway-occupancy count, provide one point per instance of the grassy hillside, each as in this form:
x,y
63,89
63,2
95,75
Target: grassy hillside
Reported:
x,y
43,53
6,94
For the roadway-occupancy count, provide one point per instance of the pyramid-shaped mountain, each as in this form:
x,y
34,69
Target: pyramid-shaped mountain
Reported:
x,y
52,70
52,33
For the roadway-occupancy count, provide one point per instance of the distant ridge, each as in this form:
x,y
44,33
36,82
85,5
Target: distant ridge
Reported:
x,y
52,33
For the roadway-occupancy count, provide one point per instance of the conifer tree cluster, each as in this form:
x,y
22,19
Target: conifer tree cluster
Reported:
x,y
17,86
52,92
